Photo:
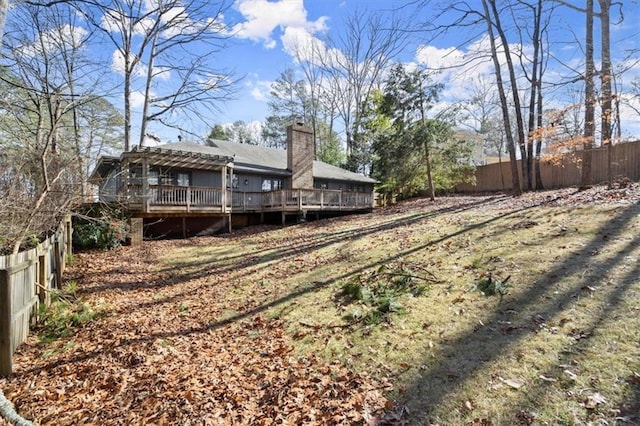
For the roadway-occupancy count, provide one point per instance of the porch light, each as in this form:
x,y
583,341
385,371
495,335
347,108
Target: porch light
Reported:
x,y
246,181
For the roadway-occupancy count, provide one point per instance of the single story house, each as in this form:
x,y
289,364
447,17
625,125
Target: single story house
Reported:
x,y
187,188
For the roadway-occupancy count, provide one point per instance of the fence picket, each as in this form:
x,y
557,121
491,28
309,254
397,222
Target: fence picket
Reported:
x,y
625,161
25,280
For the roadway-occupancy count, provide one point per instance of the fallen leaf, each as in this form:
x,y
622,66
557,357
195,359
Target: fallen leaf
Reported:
x,y
514,383
592,401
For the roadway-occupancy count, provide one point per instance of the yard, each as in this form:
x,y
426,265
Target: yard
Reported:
x,y
367,319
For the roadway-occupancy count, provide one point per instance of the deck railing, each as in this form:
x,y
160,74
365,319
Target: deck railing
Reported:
x,y
247,201
284,199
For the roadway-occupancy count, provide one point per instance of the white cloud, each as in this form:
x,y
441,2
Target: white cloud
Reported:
x,y
264,17
260,90
435,58
460,69
67,37
163,73
299,43
137,100
117,65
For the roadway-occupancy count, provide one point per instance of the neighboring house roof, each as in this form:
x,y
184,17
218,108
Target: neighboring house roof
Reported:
x,y
257,159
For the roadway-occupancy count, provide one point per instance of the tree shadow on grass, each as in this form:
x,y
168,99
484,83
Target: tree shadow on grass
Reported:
x,y
248,268
478,348
451,370
312,287
263,259
581,341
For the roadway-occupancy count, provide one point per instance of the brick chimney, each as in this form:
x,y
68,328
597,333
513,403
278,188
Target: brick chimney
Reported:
x,y
300,155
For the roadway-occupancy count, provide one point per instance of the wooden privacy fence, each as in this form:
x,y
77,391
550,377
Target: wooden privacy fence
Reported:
x,y
625,161
26,279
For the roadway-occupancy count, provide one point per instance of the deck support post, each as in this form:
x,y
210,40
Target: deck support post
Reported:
x,y
124,186
136,231
225,180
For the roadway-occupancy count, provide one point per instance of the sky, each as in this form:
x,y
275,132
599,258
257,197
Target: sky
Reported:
x,y
262,34
260,49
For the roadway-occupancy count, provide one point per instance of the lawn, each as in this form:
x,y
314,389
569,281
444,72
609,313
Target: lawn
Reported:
x,y
366,319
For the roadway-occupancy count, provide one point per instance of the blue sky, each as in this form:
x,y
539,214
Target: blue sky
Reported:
x,y
263,31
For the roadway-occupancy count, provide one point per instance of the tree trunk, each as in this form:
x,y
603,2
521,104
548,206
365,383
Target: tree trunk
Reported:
x,y
589,99
526,172
503,103
427,160
539,185
535,87
147,91
127,105
4,6
606,81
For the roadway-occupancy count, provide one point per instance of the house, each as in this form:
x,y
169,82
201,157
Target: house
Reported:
x,y
186,188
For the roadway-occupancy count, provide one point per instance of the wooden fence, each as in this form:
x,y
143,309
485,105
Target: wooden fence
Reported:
x,y
26,279
625,161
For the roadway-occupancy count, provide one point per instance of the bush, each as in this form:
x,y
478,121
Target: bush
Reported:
x,y
104,235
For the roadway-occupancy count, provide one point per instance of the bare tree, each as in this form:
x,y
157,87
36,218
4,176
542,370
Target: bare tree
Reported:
x,y
354,62
535,77
589,97
47,83
482,112
492,20
170,41
307,57
606,81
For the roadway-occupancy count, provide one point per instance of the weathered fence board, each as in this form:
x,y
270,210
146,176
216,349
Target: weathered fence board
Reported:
x,y
625,161
26,279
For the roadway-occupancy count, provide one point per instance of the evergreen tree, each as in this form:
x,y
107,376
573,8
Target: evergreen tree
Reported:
x,y
218,132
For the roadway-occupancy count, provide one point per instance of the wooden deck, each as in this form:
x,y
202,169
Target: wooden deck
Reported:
x,y
174,200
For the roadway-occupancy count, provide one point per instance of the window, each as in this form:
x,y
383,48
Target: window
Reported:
x,y
234,181
183,179
271,184
153,177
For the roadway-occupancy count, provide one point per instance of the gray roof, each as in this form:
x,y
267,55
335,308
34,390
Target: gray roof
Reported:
x,y
254,158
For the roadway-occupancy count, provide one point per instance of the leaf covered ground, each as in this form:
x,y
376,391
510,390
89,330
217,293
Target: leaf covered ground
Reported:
x,y
254,327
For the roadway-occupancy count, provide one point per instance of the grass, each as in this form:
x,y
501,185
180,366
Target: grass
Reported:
x,y
543,349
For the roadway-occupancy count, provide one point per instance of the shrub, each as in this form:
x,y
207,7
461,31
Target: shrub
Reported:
x,y
99,234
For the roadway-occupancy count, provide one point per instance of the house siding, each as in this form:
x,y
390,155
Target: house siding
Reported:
x,y
206,178
254,183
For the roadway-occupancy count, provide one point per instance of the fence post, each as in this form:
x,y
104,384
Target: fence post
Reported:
x,y
43,294
6,313
58,262
69,236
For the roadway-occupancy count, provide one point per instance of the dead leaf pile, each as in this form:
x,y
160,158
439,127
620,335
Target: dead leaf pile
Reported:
x,y
168,353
